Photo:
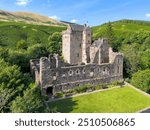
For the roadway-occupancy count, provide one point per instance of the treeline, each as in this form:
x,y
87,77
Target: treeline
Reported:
x,y
139,22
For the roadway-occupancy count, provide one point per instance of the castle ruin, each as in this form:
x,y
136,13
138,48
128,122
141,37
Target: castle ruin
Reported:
x,y
85,62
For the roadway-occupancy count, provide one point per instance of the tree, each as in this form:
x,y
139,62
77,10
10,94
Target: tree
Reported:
x,y
12,84
55,43
37,51
22,44
19,58
141,80
145,59
110,34
132,57
31,101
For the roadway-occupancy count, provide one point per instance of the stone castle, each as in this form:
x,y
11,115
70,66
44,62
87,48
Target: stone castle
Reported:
x,y
85,62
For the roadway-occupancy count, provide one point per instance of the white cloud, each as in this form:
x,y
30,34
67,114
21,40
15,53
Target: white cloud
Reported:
x,y
23,2
147,15
74,21
54,17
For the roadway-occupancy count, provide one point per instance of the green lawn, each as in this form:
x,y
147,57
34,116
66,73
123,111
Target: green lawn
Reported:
x,y
112,101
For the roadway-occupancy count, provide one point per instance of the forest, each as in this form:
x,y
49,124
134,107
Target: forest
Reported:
x,y
20,42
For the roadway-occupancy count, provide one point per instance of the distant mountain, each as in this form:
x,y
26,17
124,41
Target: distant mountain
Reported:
x,y
28,17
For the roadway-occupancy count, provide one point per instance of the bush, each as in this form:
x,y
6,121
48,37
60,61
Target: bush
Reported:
x,y
98,87
81,89
59,95
104,86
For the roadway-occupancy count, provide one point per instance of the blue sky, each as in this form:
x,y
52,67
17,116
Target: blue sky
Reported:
x,y
80,11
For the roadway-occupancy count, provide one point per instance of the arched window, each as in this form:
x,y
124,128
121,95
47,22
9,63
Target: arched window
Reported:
x,y
70,72
77,72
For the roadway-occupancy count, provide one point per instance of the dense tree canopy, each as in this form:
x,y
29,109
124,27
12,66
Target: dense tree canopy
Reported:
x,y
30,102
12,84
141,80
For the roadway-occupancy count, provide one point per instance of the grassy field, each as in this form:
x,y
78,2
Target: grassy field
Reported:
x,y
126,100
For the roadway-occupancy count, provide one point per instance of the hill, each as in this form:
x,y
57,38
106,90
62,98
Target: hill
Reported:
x,y
122,27
32,34
28,17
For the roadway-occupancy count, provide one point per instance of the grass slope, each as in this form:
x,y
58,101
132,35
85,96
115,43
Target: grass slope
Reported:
x,y
12,32
122,27
112,101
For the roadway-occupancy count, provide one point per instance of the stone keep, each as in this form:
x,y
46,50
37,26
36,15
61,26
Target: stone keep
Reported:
x,y
76,44
85,62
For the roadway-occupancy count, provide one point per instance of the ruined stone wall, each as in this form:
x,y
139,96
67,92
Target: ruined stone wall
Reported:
x,y
64,78
99,52
51,73
46,73
104,52
34,69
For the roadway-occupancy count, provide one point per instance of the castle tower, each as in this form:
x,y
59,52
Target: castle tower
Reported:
x,y
72,44
87,40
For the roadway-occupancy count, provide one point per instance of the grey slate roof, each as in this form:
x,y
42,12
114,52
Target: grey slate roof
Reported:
x,y
76,27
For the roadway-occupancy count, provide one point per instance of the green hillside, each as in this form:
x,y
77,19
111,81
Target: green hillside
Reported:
x,y
12,32
122,27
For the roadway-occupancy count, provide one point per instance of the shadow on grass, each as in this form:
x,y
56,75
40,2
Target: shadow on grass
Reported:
x,y
63,106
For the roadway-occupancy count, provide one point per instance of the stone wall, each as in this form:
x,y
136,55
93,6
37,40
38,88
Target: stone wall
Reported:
x,y
61,78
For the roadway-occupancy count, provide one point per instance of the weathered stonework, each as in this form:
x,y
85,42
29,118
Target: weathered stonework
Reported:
x,y
84,63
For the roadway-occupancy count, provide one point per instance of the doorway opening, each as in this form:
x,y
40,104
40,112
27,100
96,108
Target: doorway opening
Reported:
x,y
49,91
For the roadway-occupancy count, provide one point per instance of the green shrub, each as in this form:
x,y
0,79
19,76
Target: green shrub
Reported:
x,y
59,95
81,89
104,86
98,87
46,98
